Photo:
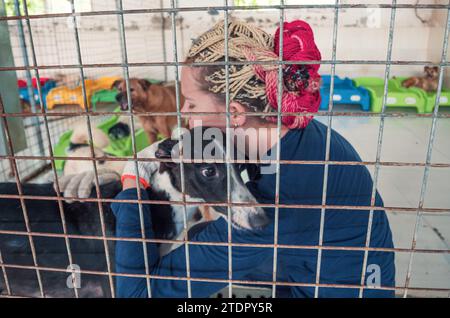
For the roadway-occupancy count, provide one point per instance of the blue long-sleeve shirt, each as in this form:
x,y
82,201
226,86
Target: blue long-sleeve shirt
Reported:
x,y
349,185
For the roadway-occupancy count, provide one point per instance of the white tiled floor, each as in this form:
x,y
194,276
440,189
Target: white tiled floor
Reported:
x,y
406,140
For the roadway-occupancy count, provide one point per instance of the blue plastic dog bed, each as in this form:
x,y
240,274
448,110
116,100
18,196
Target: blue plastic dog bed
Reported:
x,y
23,93
344,92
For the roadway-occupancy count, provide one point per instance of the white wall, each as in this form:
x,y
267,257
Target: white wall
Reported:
x,y
362,35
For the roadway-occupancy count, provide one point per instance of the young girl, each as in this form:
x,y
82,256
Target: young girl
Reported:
x,y
253,87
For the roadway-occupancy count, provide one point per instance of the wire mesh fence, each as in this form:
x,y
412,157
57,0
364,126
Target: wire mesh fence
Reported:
x,y
127,39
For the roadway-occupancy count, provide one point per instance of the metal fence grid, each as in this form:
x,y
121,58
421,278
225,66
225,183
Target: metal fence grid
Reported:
x,y
47,123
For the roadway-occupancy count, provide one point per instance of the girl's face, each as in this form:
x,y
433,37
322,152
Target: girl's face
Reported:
x,y
197,100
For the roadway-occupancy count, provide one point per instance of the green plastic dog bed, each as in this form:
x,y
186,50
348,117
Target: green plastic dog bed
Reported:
x,y
104,96
121,147
444,99
398,96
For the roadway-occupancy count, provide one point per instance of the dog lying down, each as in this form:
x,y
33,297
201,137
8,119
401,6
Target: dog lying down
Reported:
x,y
204,182
80,141
79,147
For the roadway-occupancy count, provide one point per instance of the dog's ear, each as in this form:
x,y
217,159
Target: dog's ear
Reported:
x,y
116,84
144,83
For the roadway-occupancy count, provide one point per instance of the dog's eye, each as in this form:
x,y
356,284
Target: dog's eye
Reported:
x,y
131,89
208,172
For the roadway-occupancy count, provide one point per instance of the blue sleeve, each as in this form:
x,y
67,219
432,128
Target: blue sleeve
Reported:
x,y
129,255
206,261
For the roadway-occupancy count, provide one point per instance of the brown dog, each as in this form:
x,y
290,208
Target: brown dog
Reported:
x,y
428,83
148,97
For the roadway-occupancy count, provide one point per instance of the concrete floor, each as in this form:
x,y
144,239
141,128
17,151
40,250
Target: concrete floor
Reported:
x,y
406,140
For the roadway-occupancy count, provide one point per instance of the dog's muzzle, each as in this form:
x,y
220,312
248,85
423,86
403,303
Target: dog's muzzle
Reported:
x,y
244,214
122,99
245,217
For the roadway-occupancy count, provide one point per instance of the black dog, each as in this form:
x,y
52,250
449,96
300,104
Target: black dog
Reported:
x,y
82,218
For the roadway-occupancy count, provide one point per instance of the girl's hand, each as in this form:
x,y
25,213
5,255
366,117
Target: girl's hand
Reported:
x,y
145,169
80,185
130,184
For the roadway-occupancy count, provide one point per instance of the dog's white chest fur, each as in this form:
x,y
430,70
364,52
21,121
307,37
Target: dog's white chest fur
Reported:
x,y
161,182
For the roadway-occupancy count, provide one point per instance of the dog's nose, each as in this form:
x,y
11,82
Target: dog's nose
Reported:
x,y
164,150
162,154
122,99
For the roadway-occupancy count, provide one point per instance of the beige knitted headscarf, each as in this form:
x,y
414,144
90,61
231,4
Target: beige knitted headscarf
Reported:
x,y
245,42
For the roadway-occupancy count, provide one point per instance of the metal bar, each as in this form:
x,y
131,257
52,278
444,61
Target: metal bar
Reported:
x,y
278,148
22,201
257,161
183,185
218,63
426,173
163,39
379,145
327,149
91,144
231,8
262,205
5,276
12,296
227,152
255,114
119,5
256,245
50,148
23,47
214,280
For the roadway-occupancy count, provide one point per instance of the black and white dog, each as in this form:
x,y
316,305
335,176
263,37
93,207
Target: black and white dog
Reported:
x,y
204,182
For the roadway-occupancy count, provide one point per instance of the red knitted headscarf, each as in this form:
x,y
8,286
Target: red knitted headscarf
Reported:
x,y
301,82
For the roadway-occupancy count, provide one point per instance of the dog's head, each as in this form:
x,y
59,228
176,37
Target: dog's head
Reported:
x,y
138,90
205,181
431,71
